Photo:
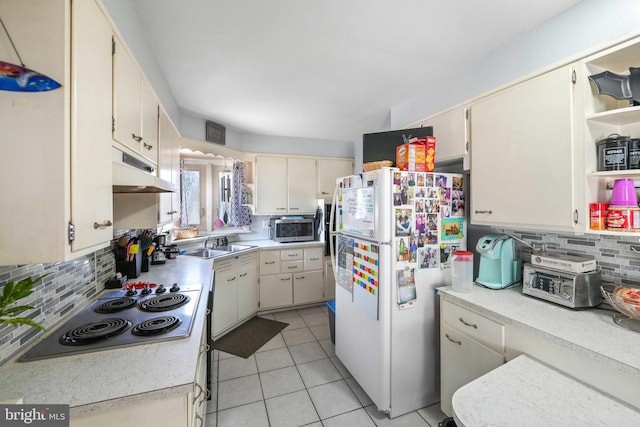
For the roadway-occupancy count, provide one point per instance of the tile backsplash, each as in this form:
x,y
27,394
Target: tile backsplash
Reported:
x,y
69,285
616,260
72,284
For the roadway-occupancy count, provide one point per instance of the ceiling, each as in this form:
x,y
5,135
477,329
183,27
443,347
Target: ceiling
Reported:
x,y
324,69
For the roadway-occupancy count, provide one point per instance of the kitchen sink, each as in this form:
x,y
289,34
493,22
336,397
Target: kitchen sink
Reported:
x,y
208,253
235,248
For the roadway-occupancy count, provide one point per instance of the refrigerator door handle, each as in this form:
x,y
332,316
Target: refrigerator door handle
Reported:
x,y
332,234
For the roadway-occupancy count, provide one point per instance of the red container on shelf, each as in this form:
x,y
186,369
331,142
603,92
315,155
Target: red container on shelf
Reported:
x,y
598,216
623,218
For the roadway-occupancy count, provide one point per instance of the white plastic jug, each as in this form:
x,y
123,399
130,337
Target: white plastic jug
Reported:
x,y
462,271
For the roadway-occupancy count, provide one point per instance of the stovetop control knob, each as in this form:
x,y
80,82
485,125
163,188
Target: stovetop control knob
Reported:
x,y
175,288
146,290
132,291
161,289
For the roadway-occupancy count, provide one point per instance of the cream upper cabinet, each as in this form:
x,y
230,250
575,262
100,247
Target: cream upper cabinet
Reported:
x,y
135,107
271,185
452,133
168,168
285,185
526,161
328,170
55,173
148,210
301,193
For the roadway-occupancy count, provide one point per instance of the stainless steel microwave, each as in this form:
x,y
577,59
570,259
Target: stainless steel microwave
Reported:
x,y
292,229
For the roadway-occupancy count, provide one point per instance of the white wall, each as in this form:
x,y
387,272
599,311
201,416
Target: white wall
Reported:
x,y
589,24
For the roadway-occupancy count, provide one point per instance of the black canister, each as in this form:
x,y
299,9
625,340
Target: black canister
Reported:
x,y
613,153
634,153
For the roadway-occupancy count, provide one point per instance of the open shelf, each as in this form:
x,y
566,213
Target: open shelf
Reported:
x,y
618,117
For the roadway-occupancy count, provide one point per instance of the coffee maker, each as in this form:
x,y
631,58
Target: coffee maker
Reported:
x,y
499,266
158,256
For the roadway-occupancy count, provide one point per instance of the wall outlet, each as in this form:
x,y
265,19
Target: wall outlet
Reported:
x,y
265,223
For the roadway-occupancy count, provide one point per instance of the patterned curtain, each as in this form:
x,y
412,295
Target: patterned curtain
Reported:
x,y
184,221
240,215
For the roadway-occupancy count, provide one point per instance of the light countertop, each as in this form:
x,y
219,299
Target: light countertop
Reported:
x,y
591,332
526,392
122,376
574,359
270,244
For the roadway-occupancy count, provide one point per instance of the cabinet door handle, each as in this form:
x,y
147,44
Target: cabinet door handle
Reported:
x,y
452,340
136,137
231,279
285,278
244,275
147,146
484,211
270,262
172,212
103,224
471,325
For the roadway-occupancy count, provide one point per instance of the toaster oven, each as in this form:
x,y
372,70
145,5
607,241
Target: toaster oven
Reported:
x,y
573,290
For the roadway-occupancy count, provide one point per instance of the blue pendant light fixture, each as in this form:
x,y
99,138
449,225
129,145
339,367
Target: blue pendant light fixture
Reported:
x,y
18,78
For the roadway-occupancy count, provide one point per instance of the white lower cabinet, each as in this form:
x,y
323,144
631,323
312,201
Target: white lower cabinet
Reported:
x,y
235,295
291,276
248,294
308,287
470,346
276,290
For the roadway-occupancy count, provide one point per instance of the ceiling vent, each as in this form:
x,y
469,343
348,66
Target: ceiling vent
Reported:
x,y
215,133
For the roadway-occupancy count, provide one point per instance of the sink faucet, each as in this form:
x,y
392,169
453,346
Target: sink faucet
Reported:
x,y
205,242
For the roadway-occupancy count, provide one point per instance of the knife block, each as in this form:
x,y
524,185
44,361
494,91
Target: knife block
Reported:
x,y
131,269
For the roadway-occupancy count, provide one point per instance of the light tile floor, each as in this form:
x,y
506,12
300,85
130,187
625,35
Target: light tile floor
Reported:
x,y
297,380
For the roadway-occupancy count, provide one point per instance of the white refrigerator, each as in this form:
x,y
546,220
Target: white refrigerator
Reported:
x,y
395,233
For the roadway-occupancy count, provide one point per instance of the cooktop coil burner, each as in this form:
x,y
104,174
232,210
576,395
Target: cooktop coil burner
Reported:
x,y
164,302
113,306
156,326
95,331
116,319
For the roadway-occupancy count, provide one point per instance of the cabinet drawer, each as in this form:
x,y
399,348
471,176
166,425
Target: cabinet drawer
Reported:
x,y
291,254
474,325
291,266
313,259
269,262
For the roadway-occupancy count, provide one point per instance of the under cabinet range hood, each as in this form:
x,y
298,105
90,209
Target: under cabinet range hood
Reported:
x,y
131,175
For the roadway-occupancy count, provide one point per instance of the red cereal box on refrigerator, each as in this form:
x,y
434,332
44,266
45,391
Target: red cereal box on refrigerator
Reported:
x,y
417,155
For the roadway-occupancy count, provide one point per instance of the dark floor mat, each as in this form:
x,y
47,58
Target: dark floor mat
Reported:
x,y
247,338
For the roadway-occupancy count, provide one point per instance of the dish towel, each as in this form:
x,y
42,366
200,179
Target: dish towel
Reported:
x,y
240,214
